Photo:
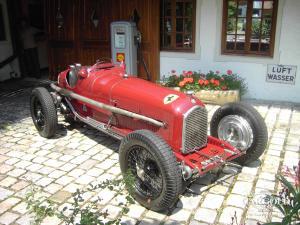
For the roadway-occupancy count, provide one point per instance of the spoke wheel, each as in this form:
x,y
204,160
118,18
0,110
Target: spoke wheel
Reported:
x,y
157,176
148,178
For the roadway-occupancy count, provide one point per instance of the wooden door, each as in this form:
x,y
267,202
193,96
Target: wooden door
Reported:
x,y
85,34
148,11
62,34
94,31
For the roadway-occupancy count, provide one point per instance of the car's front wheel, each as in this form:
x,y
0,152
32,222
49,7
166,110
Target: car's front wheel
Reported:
x,y
243,127
157,178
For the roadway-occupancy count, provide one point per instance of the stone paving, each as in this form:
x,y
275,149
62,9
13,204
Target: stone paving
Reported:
x,y
79,155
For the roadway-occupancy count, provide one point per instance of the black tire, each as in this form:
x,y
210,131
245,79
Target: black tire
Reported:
x,y
256,122
164,166
43,112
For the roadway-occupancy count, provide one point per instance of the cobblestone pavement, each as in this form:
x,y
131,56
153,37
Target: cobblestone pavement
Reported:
x,y
79,155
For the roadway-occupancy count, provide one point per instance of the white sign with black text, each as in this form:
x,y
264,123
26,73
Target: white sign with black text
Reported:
x,y
284,74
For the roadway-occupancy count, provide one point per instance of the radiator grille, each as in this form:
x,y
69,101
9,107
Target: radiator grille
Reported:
x,y
194,134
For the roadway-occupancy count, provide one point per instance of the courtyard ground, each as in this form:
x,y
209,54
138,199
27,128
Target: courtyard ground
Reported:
x,y
79,155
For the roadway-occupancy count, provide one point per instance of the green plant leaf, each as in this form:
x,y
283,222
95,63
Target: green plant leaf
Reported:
x,y
281,208
272,223
298,195
288,185
295,211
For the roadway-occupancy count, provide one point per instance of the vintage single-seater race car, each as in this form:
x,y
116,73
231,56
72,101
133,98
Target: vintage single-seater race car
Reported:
x,y
163,133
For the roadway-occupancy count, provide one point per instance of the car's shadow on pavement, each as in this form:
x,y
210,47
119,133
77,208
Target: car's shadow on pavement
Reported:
x,y
15,103
62,131
199,187
89,132
215,182
14,109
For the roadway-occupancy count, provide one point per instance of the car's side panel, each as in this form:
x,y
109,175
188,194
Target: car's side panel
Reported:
x,y
149,99
97,86
111,87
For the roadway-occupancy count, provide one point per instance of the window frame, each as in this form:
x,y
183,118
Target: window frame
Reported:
x,y
173,17
247,51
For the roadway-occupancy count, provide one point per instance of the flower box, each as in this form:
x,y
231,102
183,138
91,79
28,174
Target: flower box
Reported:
x,y
218,97
213,88
175,88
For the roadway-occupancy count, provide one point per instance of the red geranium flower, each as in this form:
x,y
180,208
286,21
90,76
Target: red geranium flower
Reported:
x,y
212,80
206,82
217,83
189,73
181,83
201,82
229,72
188,80
224,88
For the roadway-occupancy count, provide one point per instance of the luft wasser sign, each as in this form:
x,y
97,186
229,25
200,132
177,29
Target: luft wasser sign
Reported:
x,y
281,74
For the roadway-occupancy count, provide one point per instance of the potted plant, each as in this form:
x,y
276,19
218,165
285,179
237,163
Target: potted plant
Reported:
x,y
213,87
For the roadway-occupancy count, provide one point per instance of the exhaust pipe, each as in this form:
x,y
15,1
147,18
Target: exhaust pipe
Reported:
x,y
110,108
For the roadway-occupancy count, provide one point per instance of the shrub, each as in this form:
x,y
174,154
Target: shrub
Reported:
x,y
287,201
211,81
80,213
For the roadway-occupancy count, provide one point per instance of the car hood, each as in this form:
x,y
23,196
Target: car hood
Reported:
x,y
150,99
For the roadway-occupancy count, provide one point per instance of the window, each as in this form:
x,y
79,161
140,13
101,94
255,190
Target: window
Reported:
x,y
177,30
2,27
249,27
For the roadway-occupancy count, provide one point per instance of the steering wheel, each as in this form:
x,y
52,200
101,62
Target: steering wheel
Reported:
x,y
102,63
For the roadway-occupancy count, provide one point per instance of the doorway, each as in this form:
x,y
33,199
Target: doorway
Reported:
x,y
28,36
79,31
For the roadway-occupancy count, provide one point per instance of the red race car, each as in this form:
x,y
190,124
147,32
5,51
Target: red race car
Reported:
x,y
163,133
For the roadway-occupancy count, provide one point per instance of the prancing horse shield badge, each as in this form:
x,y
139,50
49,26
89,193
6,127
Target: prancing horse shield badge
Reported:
x,y
170,98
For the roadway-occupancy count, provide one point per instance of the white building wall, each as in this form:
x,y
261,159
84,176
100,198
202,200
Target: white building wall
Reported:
x,y
254,69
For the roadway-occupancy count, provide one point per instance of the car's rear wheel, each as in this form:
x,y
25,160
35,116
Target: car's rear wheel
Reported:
x,y
157,177
43,112
243,127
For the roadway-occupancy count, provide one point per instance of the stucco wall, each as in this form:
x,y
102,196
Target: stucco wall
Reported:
x,y
254,69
